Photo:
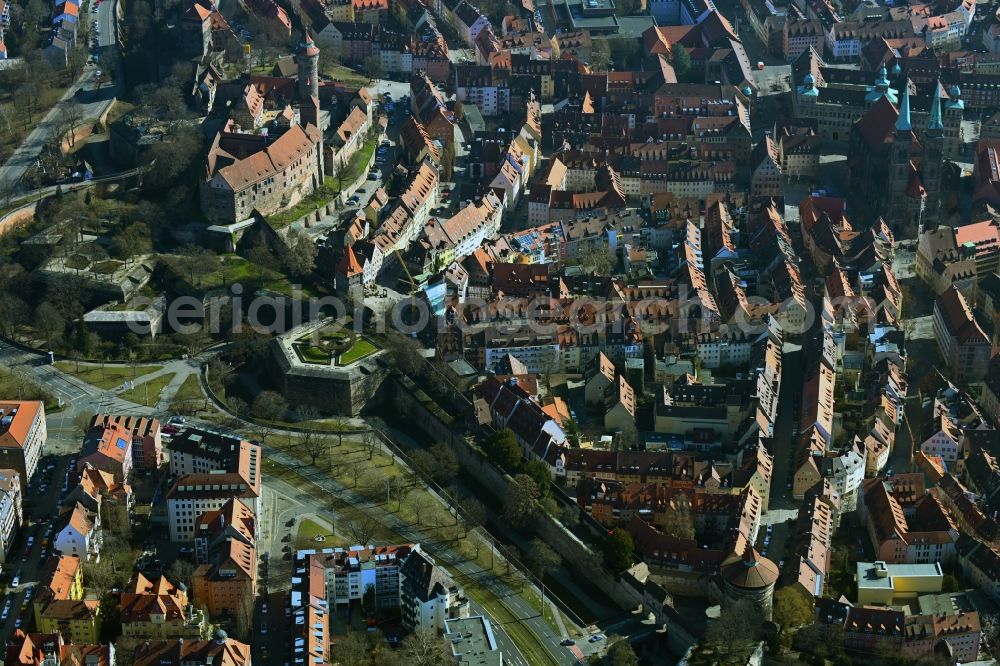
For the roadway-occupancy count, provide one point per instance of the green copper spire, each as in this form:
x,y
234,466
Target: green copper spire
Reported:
x,y
903,122
934,123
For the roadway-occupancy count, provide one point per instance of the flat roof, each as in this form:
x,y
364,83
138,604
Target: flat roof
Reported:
x,y
867,578
472,641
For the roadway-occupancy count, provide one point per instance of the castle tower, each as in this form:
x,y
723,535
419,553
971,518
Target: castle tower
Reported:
x,y
933,152
307,59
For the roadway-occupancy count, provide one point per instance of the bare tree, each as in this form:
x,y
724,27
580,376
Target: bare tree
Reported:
x,y
425,648
473,515
362,529
239,407
370,440
313,446
244,617
420,505
355,469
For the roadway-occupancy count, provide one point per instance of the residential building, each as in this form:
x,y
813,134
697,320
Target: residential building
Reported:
x,y
349,572
980,564
194,451
59,604
22,436
147,438
99,493
195,494
212,529
227,583
78,532
960,339
220,650
942,262
10,510
40,649
428,596
159,610
926,536
108,448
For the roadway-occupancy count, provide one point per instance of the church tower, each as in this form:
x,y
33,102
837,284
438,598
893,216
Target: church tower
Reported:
x,y
899,163
933,152
307,59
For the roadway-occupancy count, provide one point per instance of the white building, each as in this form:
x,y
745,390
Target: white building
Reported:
x,y
78,533
194,494
22,436
428,596
10,509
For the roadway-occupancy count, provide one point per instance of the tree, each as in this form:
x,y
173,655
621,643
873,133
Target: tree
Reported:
x,y
420,504
678,523
261,258
111,622
681,60
70,117
313,446
269,406
473,514
50,321
621,653
791,608
521,501
353,649
82,422
372,67
84,340
181,572
542,558
362,529
600,55
238,406
405,353
737,627
503,451
244,618
595,258
425,648
539,472
628,438
439,463
950,584
133,240
619,549
300,255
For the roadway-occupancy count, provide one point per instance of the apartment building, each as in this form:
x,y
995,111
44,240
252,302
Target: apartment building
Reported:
x,y
109,448
78,532
428,596
195,494
147,438
194,451
99,493
229,581
349,572
961,341
40,649
212,529
10,510
59,604
921,533
220,650
22,436
156,609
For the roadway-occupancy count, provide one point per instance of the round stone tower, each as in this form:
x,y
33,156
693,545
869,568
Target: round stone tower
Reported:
x,y
307,58
749,576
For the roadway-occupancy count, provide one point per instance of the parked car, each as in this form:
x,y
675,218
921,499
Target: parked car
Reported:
x,y
569,642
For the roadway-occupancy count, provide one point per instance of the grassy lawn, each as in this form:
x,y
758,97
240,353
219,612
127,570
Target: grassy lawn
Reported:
x,y
309,530
108,376
339,72
235,269
12,136
190,389
360,349
22,387
148,393
311,354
